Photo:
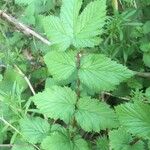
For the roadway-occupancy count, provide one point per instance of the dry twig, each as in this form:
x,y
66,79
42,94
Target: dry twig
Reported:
x,y
23,28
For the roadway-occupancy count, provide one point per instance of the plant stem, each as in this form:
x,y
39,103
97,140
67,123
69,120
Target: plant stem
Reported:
x,y
26,79
8,124
143,74
6,145
78,58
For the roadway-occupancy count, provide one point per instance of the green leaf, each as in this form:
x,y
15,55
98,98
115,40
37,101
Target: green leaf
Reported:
x,y
11,76
146,28
57,103
146,59
69,15
98,72
72,28
90,23
34,129
93,115
1,77
135,118
56,141
102,143
55,32
3,133
50,82
29,15
79,143
121,140
61,65
61,141
147,93
145,47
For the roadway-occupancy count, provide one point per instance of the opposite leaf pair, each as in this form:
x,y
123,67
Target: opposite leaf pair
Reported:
x,y
61,103
51,137
96,71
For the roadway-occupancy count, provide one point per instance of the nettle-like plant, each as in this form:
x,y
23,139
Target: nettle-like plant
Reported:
x,y
70,103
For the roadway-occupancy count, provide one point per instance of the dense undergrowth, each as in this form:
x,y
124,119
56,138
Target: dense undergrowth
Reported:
x,y
89,88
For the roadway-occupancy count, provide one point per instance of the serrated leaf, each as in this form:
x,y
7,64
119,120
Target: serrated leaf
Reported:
x,y
72,28
55,32
61,141
93,115
102,143
69,15
102,72
62,65
79,143
121,140
89,23
34,129
135,118
50,82
56,141
57,102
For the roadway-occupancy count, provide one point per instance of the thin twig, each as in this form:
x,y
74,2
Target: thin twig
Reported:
x,y
123,98
16,130
22,27
143,74
6,145
8,124
26,79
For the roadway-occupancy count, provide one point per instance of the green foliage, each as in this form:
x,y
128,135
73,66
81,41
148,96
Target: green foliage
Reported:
x,y
54,106
94,67
92,115
102,143
98,69
93,112
147,93
34,129
135,118
121,140
73,28
61,65
89,89
59,140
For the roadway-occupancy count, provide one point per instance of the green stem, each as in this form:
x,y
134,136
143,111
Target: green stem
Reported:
x,y
78,59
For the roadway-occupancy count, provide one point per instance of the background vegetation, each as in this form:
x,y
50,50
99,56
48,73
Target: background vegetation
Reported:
x,y
119,117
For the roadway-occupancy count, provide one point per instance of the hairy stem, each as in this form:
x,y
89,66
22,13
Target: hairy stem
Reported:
x,y
78,59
